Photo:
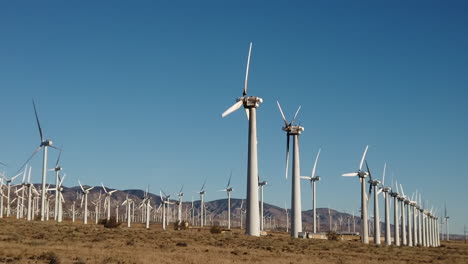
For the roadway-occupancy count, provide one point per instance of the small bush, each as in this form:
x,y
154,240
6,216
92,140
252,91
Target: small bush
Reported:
x,y
112,223
333,236
181,244
215,230
51,257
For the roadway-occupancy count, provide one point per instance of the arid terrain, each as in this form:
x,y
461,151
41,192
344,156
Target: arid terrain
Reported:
x,y
49,242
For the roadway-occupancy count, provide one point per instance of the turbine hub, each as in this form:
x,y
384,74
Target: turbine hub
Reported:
x,y
251,101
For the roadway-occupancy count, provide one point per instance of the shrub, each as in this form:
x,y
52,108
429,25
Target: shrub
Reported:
x,y
333,236
51,257
181,244
112,223
215,230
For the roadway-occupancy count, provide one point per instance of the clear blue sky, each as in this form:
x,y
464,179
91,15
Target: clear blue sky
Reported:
x,y
135,92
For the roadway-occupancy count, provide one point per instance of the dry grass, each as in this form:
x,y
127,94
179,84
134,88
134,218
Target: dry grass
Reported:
x,y
37,242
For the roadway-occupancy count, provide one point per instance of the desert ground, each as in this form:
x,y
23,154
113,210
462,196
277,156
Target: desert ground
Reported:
x,y
50,242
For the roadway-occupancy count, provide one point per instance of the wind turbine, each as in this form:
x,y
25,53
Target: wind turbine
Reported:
x,y
45,144
202,203
261,185
179,206
165,201
402,200
396,220
228,190
107,200
362,175
312,180
287,217
85,197
386,190
373,184
295,131
447,233
250,104
8,183
57,170
59,197
128,202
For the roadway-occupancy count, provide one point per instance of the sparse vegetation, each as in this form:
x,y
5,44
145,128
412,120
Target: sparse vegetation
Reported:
x,y
331,235
215,230
49,242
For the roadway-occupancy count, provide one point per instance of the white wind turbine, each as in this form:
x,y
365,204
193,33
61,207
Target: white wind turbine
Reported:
x,y
373,184
262,184
250,104
242,211
1,197
362,175
45,144
57,170
312,180
59,197
85,198
165,201
396,230
179,205
447,233
202,204
107,200
228,190
8,183
387,191
295,131
287,217
128,202
402,199
146,203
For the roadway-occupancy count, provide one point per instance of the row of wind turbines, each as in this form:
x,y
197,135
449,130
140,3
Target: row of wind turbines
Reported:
x,y
422,226
419,226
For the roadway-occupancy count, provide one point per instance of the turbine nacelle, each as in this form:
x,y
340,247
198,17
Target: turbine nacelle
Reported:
x,y
46,143
293,130
374,183
263,183
316,178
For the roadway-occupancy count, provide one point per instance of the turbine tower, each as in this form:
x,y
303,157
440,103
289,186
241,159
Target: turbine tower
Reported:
x,y
295,131
362,177
395,195
447,234
250,104
261,185
202,203
57,170
85,197
312,180
45,144
228,190
386,190
179,205
373,184
107,200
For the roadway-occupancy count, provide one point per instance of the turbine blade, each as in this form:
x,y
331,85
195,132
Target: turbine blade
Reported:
x,y
81,185
282,114
363,157
229,181
306,177
58,158
203,186
38,123
233,108
315,163
103,187
30,157
247,71
368,171
350,174
295,115
384,171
